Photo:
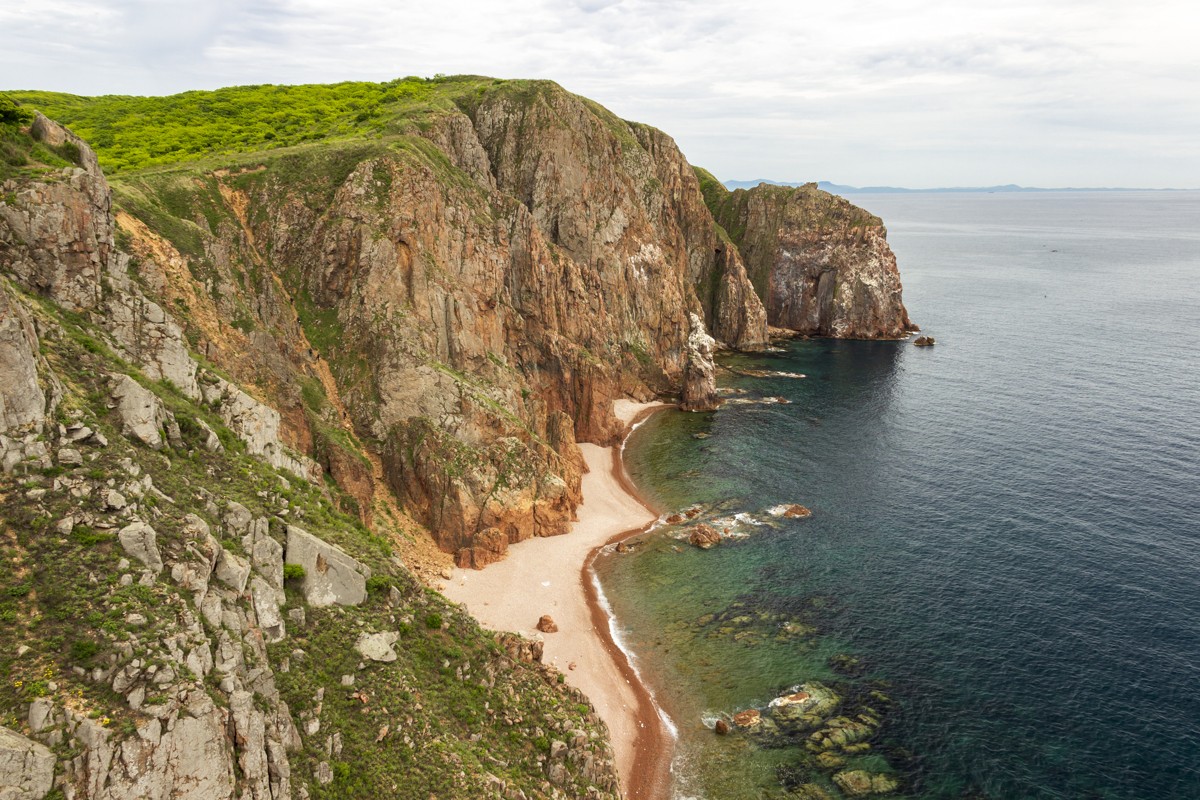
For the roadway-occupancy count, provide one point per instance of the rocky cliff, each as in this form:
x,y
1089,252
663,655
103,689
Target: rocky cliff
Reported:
x,y
230,384
821,265
186,613
464,299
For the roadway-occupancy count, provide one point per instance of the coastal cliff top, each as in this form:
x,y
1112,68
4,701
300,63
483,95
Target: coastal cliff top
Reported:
x,y
144,133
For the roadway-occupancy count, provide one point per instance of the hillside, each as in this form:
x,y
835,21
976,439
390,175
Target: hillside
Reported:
x,y
258,350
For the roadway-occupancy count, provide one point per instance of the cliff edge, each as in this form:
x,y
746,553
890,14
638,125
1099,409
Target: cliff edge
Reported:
x,y
821,265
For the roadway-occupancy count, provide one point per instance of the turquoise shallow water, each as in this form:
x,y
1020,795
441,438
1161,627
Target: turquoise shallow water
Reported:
x,y
1006,527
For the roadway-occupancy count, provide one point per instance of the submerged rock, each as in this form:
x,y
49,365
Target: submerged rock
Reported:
x,y
860,783
805,708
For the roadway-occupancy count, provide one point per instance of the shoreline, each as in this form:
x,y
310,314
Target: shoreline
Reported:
x,y
654,743
554,575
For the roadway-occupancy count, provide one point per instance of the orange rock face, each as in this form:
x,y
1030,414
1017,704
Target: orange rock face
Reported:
x,y
748,718
797,511
487,547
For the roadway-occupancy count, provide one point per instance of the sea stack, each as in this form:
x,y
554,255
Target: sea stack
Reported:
x,y
699,372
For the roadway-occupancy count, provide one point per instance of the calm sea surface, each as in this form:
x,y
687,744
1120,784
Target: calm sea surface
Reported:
x,y
1006,528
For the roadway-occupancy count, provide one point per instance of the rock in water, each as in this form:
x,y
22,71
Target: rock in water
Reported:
x,y
823,265
704,536
924,341
699,377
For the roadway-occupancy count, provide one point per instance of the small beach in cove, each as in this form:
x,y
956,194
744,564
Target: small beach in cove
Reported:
x,y
553,576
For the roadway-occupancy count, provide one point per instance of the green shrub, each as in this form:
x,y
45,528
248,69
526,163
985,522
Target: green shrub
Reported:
x,y
433,620
84,649
12,112
293,572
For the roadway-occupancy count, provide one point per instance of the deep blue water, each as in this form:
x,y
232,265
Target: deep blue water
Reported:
x,y
1006,526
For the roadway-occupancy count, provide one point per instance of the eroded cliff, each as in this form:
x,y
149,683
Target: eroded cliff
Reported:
x,y
509,255
821,265
222,365
186,614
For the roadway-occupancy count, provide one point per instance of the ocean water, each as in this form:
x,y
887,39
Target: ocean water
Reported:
x,y
1006,526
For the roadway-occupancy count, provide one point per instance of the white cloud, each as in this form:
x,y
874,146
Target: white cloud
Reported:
x,y
913,92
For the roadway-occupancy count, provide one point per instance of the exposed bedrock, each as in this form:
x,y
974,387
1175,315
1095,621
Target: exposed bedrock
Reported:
x,y
821,264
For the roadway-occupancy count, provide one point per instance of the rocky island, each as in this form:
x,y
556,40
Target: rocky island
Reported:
x,y
275,360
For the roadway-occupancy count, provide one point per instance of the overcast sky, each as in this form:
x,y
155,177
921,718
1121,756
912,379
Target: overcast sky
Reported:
x,y
907,92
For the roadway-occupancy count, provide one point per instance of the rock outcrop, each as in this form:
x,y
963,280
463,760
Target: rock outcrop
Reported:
x,y
330,576
26,767
443,315
22,400
821,265
699,372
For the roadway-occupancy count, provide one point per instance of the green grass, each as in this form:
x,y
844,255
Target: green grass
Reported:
x,y
136,133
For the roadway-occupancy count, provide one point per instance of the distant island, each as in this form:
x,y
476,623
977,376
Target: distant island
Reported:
x,y
838,188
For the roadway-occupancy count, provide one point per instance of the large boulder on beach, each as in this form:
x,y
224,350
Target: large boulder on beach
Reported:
x,y
547,624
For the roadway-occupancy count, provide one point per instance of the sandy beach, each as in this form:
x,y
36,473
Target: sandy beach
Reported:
x,y
550,576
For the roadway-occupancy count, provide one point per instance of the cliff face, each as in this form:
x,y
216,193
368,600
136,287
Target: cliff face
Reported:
x,y
821,265
212,369
186,615
518,256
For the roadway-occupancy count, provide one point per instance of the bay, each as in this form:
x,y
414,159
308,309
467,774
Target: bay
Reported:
x,y
1006,526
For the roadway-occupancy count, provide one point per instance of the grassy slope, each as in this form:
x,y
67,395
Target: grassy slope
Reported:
x,y
137,133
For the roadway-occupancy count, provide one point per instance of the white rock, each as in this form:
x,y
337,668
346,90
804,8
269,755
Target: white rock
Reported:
x,y
140,541
330,575
233,571
378,646
26,767
142,414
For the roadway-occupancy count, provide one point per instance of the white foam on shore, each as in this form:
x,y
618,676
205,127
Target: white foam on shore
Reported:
x,y
602,598
619,640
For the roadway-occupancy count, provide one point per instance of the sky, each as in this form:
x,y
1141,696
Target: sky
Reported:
x,y
917,93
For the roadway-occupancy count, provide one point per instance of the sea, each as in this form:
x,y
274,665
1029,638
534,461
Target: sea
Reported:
x,y
1002,565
